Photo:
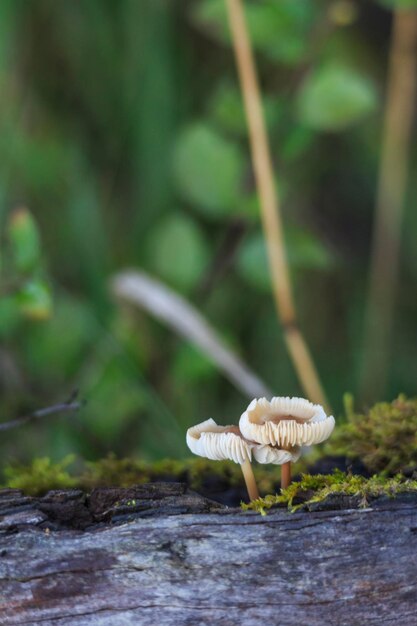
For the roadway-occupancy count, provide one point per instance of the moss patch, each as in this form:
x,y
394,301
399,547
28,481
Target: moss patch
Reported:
x,y
313,489
42,475
384,438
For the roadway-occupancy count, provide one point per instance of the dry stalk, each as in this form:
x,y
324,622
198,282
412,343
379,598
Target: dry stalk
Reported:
x,y
391,191
270,207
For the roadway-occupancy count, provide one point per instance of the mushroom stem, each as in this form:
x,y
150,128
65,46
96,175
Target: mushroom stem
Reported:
x,y
249,477
285,475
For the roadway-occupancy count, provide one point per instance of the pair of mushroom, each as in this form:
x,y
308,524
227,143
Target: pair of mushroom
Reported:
x,y
270,431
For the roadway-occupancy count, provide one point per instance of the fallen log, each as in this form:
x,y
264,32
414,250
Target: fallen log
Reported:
x,y
159,554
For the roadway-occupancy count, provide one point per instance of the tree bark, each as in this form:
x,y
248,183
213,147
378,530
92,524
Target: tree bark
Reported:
x,y
161,555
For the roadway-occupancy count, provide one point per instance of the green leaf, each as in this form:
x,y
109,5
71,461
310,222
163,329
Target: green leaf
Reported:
x,y
226,110
279,29
25,242
297,141
191,365
177,251
115,398
208,170
304,251
34,300
211,16
335,97
252,262
59,349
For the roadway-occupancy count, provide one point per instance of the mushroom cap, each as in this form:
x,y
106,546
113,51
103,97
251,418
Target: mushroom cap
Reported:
x,y
218,442
276,456
285,422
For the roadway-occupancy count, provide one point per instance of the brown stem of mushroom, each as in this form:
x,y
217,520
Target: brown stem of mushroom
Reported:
x,y
249,477
285,475
270,207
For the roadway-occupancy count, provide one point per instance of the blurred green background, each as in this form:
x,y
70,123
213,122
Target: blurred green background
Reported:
x,y
122,131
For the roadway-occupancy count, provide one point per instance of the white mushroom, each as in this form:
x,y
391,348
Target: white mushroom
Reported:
x,y
285,423
275,456
224,442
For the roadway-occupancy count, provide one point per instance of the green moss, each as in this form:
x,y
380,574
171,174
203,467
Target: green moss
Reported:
x,y
384,438
194,471
40,476
317,488
113,472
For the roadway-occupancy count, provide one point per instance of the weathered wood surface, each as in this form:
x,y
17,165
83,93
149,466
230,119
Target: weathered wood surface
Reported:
x,y
160,555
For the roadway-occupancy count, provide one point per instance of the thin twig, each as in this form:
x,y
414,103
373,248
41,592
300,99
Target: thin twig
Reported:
x,y
270,207
65,407
392,187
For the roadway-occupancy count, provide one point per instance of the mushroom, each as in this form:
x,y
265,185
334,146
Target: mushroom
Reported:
x,y
224,442
276,456
285,424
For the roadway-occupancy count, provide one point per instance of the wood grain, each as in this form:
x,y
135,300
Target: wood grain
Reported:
x,y
161,555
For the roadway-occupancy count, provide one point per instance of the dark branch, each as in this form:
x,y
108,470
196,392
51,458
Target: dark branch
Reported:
x,y
69,406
